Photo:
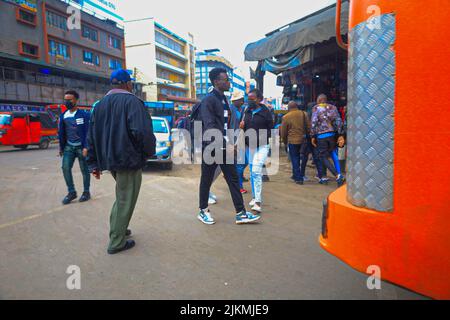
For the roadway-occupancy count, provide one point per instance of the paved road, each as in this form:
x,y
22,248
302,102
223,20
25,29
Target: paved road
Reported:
x,y
176,257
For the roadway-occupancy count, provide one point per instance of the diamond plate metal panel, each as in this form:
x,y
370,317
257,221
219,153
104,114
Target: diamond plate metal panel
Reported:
x,y
371,86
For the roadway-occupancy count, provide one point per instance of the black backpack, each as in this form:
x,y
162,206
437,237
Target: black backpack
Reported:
x,y
193,117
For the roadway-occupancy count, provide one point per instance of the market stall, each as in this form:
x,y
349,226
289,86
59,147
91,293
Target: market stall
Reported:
x,y
306,58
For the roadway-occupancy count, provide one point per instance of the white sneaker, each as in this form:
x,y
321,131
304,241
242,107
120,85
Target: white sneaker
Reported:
x,y
205,217
252,203
257,208
212,201
213,196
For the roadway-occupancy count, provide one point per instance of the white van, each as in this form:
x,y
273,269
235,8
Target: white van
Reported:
x,y
162,132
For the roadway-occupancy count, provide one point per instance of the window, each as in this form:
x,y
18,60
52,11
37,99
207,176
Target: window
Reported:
x,y
171,44
91,58
114,42
29,50
89,33
58,49
115,64
163,74
171,92
167,59
171,77
159,126
26,16
5,119
56,20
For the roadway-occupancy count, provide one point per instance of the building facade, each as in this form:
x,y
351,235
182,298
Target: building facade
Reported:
x,y
210,59
162,60
42,55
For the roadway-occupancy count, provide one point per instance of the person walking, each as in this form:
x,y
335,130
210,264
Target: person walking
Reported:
x,y
294,130
120,140
215,116
72,133
257,119
327,134
237,112
265,177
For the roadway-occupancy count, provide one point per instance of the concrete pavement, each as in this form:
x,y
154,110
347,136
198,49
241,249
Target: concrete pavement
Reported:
x,y
176,256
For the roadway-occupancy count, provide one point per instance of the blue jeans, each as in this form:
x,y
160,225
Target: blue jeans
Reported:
x,y
328,148
241,168
70,154
297,160
257,159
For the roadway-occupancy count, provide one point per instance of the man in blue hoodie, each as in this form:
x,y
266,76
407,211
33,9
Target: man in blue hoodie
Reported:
x,y
73,129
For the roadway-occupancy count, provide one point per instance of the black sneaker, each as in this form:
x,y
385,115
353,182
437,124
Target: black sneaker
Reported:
x,y
86,196
128,245
300,182
69,198
340,181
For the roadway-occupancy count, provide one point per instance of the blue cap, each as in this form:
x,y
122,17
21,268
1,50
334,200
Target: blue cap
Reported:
x,y
120,76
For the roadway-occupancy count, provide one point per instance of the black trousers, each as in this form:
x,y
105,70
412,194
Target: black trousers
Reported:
x,y
230,173
326,146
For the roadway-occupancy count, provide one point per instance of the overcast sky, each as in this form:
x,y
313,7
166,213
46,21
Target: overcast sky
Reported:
x,y
228,25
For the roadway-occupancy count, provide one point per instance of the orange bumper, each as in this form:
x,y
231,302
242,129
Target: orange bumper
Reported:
x,y
413,256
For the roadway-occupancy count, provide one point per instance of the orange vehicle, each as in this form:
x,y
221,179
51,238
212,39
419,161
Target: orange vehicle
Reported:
x,y
394,211
24,128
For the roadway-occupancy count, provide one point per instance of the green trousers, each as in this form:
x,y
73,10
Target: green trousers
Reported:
x,y
128,185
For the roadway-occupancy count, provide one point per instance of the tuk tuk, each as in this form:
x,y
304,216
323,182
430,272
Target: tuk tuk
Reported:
x,y
24,128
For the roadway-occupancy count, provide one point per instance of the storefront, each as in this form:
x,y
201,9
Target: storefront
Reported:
x,y
305,57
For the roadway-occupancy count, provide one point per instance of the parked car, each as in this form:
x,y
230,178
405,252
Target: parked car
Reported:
x,y
162,131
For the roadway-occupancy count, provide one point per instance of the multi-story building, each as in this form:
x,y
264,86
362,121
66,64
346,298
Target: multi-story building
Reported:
x,y
162,60
210,59
42,55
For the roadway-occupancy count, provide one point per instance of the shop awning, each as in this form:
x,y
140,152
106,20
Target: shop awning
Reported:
x,y
315,28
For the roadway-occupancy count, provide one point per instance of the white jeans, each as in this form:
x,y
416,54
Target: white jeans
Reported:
x,y
257,159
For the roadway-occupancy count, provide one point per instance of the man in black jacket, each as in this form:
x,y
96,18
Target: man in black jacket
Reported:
x,y
215,114
120,140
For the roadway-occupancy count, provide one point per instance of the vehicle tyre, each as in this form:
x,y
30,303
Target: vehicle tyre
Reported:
x,y
44,144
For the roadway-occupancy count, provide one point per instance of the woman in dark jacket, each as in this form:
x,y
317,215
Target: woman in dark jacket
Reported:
x,y
258,125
